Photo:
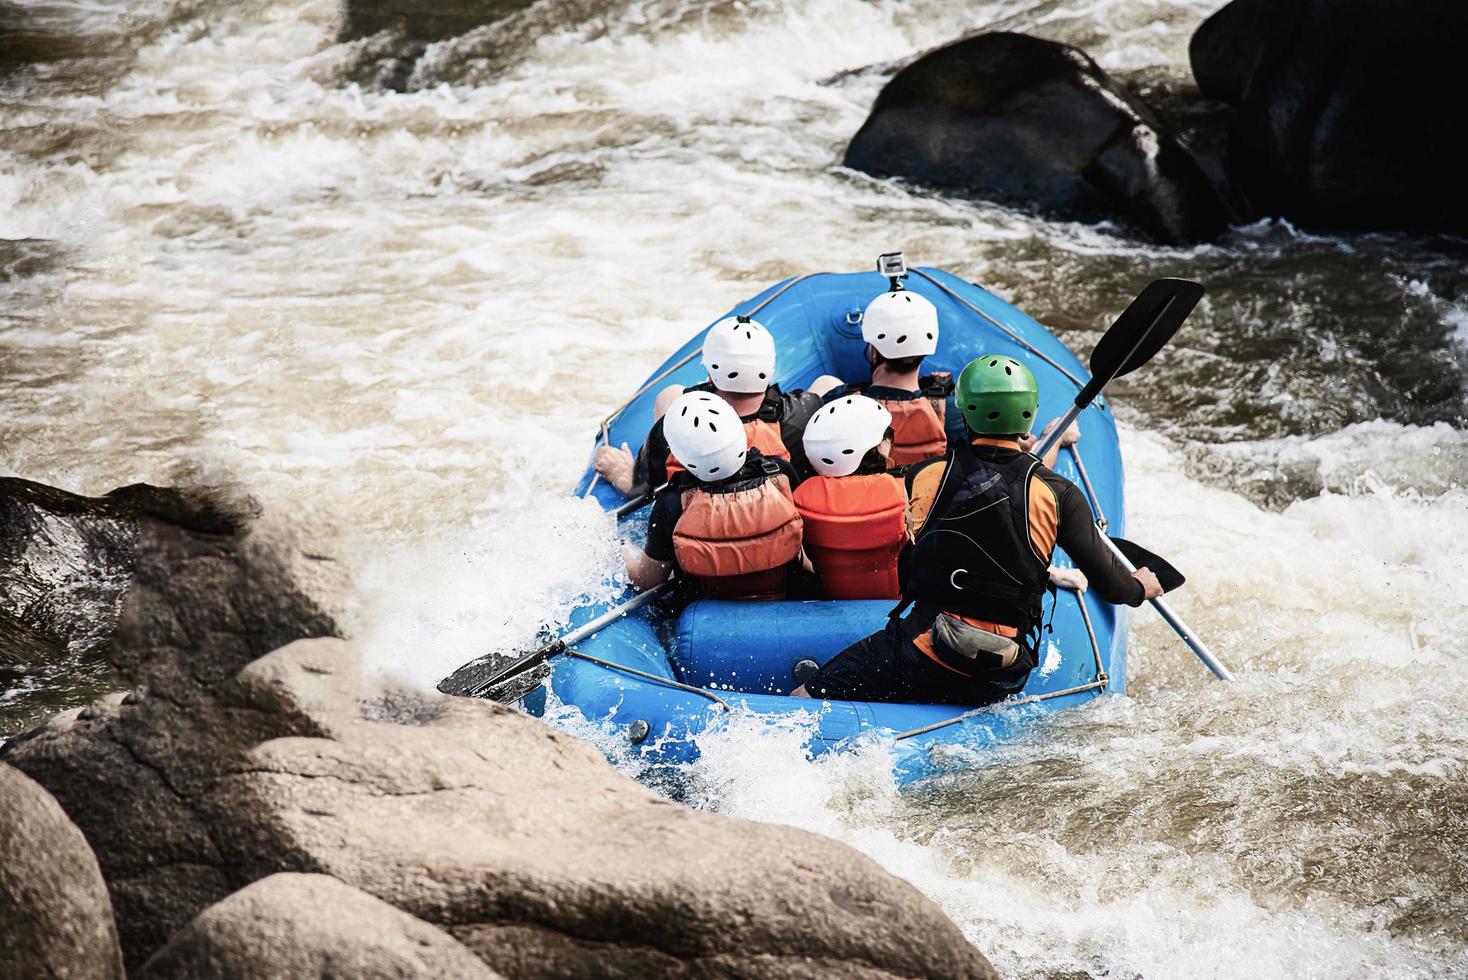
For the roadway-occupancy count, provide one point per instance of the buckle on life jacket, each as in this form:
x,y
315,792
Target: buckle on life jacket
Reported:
x,y
769,467
937,385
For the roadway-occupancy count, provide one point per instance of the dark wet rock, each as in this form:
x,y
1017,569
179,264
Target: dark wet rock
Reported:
x,y
303,926
401,30
1344,108
425,21
1039,125
55,916
228,765
66,560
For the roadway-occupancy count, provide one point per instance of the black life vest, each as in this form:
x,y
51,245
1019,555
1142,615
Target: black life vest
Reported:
x,y
973,555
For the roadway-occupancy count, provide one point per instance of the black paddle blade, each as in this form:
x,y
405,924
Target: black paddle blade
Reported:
x,y
1140,332
1169,577
468,680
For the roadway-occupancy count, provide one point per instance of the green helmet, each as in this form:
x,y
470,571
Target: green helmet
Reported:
x,y
997,395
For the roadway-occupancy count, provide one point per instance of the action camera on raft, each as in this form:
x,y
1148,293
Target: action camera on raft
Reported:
x,y
892,265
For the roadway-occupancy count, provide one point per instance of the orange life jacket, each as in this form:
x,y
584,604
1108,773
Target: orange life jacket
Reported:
x,y
762,435
855,526
739,544
917,429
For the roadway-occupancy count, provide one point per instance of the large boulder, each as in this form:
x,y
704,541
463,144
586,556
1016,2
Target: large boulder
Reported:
x,y
1345,111
310,926
226,765
207,592
55,917
1039,125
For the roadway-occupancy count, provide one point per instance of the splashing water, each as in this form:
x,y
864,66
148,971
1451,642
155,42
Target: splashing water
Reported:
x,y
221,260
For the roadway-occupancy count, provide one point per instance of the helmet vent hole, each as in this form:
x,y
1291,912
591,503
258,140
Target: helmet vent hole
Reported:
x,y
715,428
847,452
881,336
1008,369
695,421
973,408
762,375
714,470
902,339
1024,415
993,363
828,462
684,412
748,335
930,336
733,374
714,366
993,416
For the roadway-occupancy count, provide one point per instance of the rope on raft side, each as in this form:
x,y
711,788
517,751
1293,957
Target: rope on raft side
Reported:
x,y
650,677
606,424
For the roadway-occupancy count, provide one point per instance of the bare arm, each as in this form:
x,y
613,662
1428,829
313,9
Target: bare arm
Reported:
x,y
644,572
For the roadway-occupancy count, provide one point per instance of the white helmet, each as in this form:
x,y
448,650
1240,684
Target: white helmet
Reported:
x,y
901,324
739,355
840,434
705,436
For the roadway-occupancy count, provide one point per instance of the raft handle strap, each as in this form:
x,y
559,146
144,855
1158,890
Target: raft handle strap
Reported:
x,y
650,677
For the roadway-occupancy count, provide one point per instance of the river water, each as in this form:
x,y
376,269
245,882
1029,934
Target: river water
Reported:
x,y
404,312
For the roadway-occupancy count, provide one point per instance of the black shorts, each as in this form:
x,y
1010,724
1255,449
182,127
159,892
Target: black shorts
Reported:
x,y
887,666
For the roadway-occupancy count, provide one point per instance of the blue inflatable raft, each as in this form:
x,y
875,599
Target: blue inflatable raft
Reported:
x,y
666,677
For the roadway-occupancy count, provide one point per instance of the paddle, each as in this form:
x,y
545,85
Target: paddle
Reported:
x,y
1169,577
478,677
1139,333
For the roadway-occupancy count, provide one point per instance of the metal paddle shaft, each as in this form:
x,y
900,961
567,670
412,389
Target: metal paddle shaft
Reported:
x,y
1143,328
461,681
1175,621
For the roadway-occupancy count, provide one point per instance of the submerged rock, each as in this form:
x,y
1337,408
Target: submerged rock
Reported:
x,y
1345,109
55,916
227,765
303,925
424,21
1037,124
400,31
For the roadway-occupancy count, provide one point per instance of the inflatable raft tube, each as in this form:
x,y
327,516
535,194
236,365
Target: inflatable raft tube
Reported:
x,y
696,665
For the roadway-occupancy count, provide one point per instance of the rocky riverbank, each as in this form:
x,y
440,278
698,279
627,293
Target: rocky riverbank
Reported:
x,y
256,804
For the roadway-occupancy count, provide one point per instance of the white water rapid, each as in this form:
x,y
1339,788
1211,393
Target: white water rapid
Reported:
x,y
405,312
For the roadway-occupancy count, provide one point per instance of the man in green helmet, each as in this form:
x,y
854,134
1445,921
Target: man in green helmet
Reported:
x,y
985,519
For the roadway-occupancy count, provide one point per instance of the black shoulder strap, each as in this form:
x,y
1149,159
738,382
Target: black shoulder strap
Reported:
x,y
772,409
937,385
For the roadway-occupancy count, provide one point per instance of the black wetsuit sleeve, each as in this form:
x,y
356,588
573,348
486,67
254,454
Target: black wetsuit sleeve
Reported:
x,y
1081,539
651,469
660,524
